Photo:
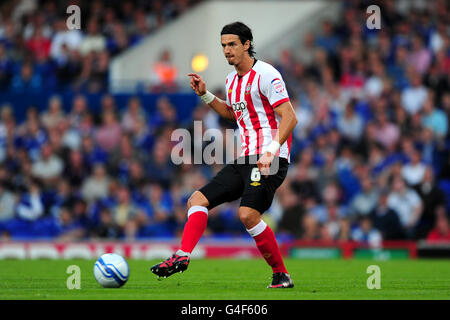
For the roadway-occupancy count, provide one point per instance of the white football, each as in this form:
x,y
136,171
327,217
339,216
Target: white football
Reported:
x,y
111,270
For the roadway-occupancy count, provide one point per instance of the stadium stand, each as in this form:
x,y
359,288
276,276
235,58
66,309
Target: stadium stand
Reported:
x,y
370,155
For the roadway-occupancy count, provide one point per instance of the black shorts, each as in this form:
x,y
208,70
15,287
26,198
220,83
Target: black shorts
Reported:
x,y
242,179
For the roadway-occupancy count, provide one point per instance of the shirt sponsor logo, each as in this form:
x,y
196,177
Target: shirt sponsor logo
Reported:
x,y
238,108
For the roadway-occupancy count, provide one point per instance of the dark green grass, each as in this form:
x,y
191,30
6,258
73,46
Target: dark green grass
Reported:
x,y
232,279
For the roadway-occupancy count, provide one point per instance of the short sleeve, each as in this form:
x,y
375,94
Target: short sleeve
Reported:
x,y
273,88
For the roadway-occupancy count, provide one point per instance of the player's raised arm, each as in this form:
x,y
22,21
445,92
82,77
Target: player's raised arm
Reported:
x,y
220,106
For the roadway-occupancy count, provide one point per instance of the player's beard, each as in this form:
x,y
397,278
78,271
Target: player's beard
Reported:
x,y
232,61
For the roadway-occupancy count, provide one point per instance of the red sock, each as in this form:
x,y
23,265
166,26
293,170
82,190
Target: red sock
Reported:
x,y
267,245
194,228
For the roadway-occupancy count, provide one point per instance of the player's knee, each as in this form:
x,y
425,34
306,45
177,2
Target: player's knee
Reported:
x,y
197,199
248,217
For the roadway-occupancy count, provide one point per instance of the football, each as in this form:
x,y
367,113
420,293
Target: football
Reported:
x,y
111,270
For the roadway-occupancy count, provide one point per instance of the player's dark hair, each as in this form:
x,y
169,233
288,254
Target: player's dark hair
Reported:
x,y
242,31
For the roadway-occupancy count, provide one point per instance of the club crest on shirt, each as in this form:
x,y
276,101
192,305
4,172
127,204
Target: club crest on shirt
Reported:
x,y
277,85
248,88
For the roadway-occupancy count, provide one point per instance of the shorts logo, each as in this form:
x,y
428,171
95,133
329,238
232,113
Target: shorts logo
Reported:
x,y
255,176
278,86
238,108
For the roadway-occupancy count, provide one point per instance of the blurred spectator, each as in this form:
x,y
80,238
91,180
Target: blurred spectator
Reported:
x,y
7,204
432,198
108,103
327,39
49,166
420,56
133,114
441,231
141,136
108,134
350,124
122,156
75,170
93,40
135,178
70,137
397,68
330,210
165,115
366,200
414,171
165,73
6,68
414,96
386,133
96,186
54,113
31,206
38,44
26,81
159,211
126,214
375,84
107,228
437,37
160,168
61,197
303,186
386,220
335,228
310,229
435,119
291,221
407,204
64,41
92,153
306,55
366,233
68,228
79,108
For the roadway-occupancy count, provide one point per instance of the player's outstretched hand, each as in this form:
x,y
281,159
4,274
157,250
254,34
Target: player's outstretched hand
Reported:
x,y
197,84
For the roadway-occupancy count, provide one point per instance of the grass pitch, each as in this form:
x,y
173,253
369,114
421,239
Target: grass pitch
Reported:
x,y
232,279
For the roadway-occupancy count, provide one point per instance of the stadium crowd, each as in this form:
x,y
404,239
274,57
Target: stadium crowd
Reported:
x,y
370,155
38,51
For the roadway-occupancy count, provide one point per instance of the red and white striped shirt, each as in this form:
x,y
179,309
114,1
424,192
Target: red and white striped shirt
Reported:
x,y
253,98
